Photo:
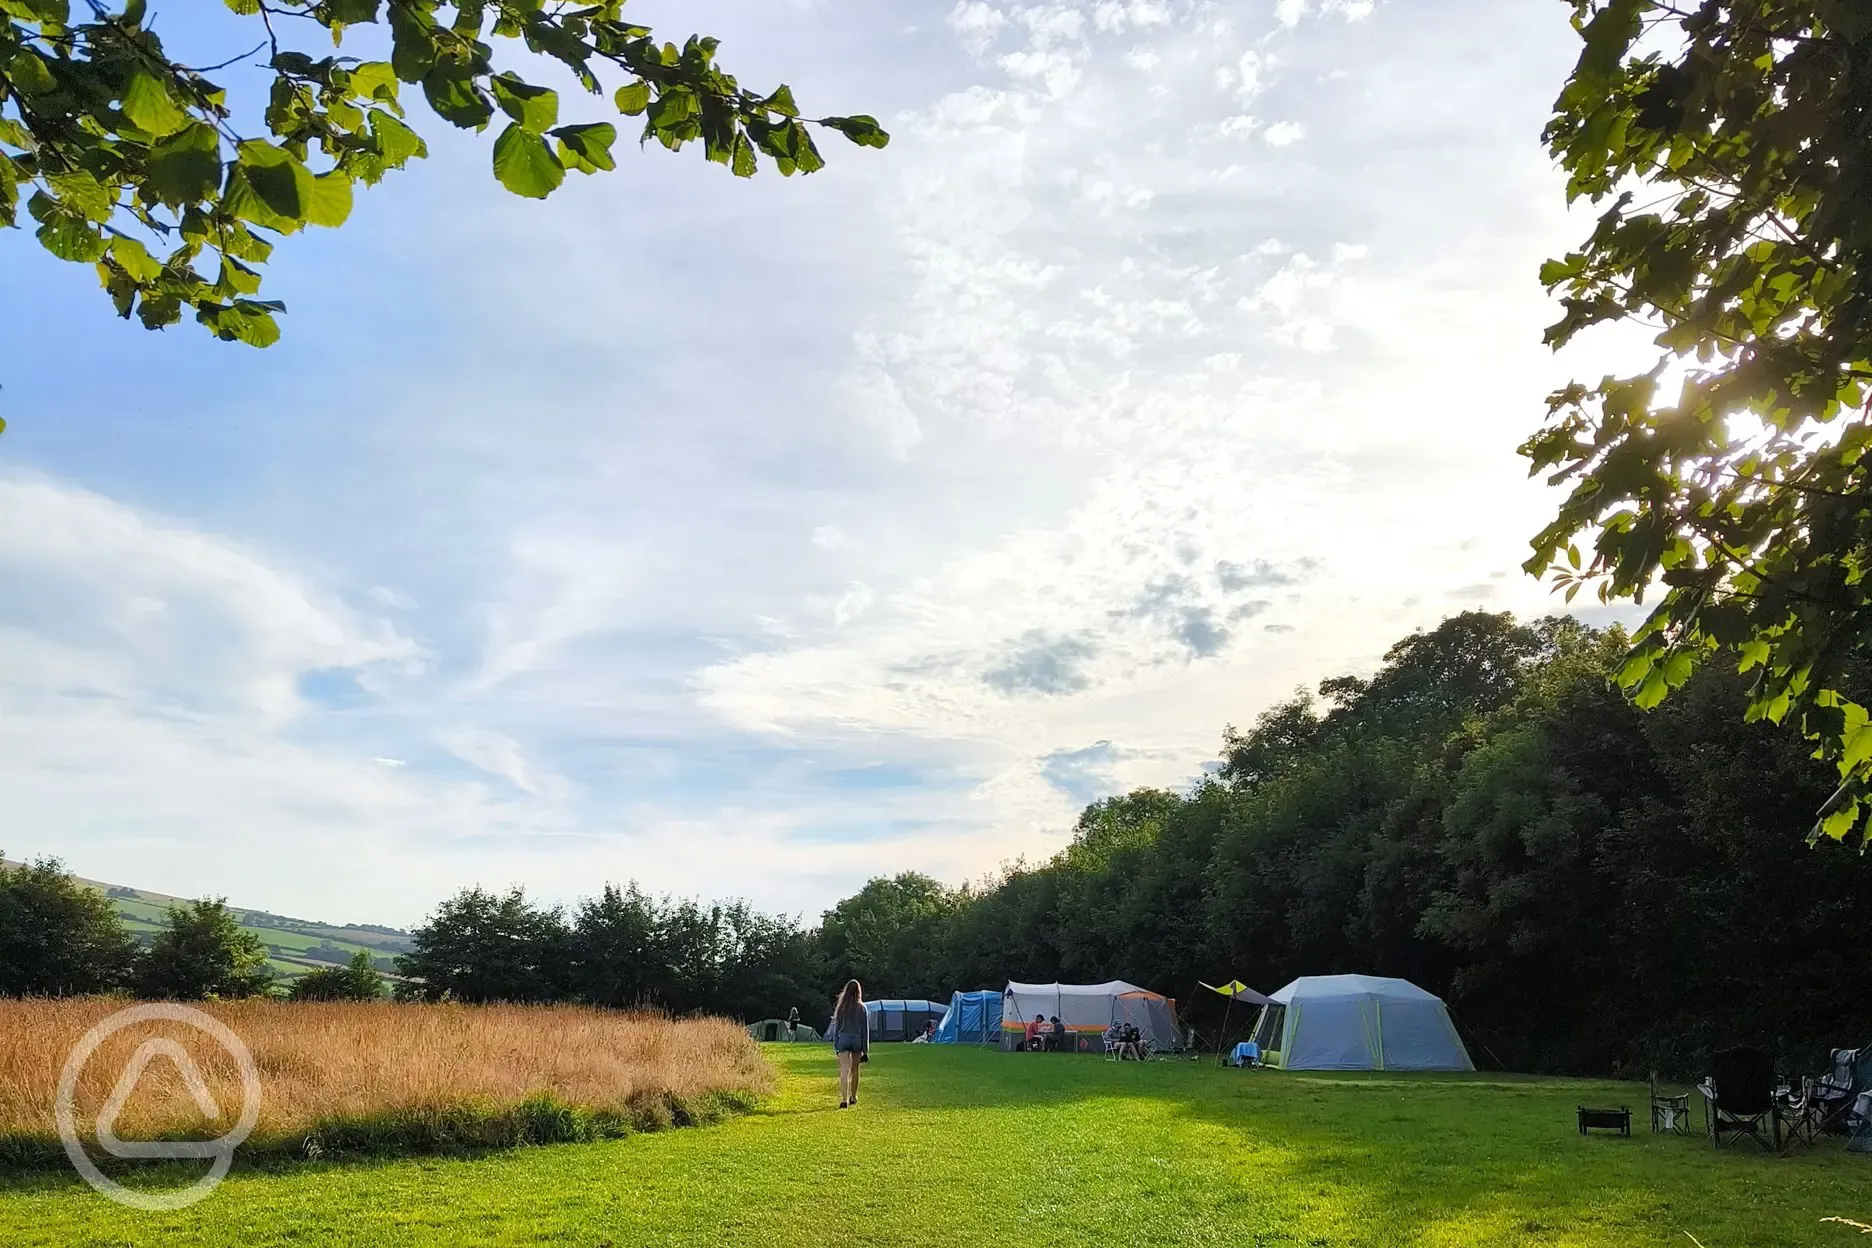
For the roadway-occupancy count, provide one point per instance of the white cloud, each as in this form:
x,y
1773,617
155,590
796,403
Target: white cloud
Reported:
x,y
1284,133
978,23
1084,466
495,753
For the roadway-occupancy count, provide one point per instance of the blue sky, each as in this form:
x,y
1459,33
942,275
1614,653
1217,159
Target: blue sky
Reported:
x,y
752,538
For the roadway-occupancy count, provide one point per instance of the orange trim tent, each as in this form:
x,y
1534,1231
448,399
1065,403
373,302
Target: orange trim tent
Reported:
x,y
1088,1010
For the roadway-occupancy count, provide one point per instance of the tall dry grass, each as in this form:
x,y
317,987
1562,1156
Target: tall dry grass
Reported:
x,y
379,1076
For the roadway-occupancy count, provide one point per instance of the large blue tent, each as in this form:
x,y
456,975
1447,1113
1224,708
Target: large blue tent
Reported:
x,y
893,1019
1358,1022
973,1018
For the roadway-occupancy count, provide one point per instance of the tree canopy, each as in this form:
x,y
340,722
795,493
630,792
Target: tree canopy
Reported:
x,y
203,951
1733,139
136,162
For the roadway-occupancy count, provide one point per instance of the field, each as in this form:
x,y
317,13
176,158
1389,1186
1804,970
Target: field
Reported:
x,y
286,939
373,1076
953,1145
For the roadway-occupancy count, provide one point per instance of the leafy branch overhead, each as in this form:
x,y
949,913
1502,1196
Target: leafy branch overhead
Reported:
x,y
134,162
1733,139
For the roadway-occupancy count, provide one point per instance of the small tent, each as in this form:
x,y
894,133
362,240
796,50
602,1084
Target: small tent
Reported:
x,y
972,1018
1087,1010
778,1029
893,1019
1358,1022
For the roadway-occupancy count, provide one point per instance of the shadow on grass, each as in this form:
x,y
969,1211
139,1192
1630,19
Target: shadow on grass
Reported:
x,y
1442,1158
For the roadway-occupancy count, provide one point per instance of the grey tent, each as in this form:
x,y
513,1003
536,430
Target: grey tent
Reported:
x,y
1358,1022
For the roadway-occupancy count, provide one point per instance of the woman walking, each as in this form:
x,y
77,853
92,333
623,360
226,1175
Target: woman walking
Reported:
x,y
851,1038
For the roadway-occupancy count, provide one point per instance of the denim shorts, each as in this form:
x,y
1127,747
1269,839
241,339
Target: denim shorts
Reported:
x,y
848,1042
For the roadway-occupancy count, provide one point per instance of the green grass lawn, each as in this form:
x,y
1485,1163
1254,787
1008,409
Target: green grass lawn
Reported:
x,y
962,1146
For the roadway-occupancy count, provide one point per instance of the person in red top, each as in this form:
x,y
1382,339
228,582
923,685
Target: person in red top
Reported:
x,y
1033,1035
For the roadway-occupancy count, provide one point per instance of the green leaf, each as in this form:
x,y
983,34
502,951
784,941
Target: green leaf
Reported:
x,y
1840,823
633,97
588,147
396,142
413,44
330,201
1857,749
134,258
525,165
147,104
781,102
29,75
352,12
277,177
860,129
84,195
237,278
248,321
56,11
375,80
185,168
70,238
452,92
536,108
1652,691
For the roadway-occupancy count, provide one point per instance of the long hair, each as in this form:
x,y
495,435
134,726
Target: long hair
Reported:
x,y
848,1013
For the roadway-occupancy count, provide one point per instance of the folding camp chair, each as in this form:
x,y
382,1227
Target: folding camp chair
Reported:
x,y
1848,1074
1739,1098
1669,1114
1800,1111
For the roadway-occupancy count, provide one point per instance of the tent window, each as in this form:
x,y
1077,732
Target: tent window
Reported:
x,y
1268,1031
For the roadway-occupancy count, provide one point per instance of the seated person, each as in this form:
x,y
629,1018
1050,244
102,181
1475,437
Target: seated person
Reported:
x,y
1032,1041
1059,1039
1114,1036
1133,1042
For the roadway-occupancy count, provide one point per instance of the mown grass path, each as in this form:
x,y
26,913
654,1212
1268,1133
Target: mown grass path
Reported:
x,y
961,1146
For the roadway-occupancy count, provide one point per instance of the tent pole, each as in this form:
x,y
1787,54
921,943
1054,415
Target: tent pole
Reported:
x,y
1222,1040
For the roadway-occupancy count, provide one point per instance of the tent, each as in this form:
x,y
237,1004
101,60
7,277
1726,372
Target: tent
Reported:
x,y
892,1019
1087,1010
1236,993
779,1029
972,1018
1358,1022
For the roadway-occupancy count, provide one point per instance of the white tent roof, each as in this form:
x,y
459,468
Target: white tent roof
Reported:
x,y
1331,987
1110,988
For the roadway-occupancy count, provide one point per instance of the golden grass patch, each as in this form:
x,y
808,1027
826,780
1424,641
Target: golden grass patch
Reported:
x,y
380,1076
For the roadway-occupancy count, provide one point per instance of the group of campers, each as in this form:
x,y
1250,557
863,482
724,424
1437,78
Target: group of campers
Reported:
x,y
1050,1035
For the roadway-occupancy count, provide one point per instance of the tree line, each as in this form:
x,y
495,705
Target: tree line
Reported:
x,y
1592,887
61,938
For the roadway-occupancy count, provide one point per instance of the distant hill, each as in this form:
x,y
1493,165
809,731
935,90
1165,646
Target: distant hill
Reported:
x,y
294,946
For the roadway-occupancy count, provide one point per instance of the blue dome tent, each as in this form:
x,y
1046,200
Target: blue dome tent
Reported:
x,y
972,1018
892,1019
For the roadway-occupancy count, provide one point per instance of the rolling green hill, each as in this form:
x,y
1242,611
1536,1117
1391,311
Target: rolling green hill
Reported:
x,y
294,946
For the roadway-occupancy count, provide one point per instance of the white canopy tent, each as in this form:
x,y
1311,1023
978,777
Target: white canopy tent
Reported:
x,y
1087,1010
1358,1022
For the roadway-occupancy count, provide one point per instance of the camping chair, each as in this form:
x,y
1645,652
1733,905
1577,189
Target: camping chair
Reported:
x,y
1739,1098
1800,1111
1849,1074
1669,1114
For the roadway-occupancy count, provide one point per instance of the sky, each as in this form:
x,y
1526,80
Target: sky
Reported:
x,y
753,538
